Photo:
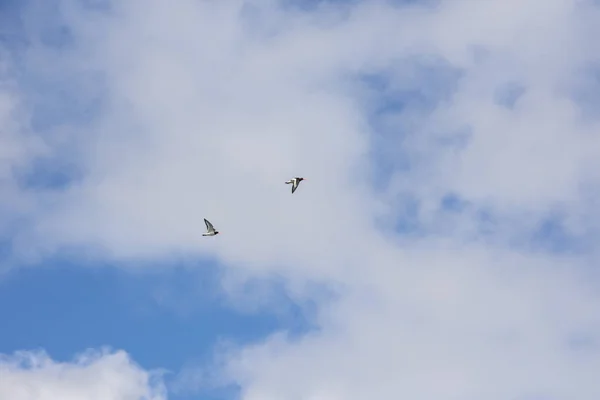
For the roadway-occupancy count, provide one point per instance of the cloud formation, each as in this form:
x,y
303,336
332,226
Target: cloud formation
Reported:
x,y
449,148
92,375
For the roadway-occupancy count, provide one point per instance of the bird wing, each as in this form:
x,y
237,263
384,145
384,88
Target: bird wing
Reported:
x,y
209,226
295,186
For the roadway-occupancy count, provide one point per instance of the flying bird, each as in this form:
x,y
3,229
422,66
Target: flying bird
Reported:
x,y
295,182
210,229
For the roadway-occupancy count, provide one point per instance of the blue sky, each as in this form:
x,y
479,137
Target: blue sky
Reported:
x,y
165,320
63,309
444,233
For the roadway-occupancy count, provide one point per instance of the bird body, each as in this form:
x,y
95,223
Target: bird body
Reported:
x,y
295,182
210,229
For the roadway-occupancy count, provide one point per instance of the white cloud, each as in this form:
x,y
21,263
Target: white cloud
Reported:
x,y
210,106
464,326
90,376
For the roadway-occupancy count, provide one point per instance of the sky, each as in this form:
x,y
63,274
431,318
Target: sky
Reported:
x,y
442,246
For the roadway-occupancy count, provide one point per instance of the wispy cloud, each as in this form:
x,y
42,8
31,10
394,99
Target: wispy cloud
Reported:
x,y
463,123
